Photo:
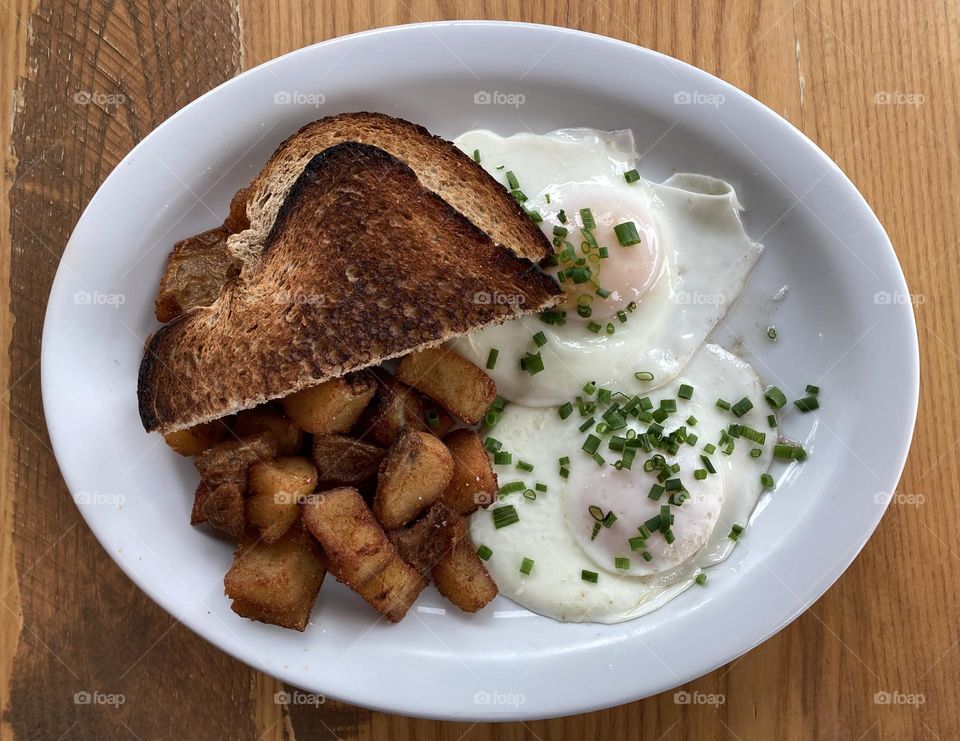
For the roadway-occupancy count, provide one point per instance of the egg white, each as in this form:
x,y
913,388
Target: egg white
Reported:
x,y
691,225
555,528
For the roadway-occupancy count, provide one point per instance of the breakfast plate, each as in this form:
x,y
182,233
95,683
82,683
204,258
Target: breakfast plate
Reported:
x,y
828,281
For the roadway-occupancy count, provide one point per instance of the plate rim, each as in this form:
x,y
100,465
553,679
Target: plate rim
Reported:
x,y
384,704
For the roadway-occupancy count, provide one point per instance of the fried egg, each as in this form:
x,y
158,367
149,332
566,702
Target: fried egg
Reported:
x,y
648,269
576,551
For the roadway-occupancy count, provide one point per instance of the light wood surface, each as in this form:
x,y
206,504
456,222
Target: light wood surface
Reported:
x,y
72,622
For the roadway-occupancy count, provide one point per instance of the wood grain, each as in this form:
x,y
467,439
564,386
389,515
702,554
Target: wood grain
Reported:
x,y
892,622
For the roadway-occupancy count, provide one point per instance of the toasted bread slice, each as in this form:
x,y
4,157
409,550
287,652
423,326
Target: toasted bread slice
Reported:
x,y
362,264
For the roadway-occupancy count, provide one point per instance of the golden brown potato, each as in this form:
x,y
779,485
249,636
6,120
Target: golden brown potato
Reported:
x,y
474,483
355,544
459,385
196,270
276,489
265,419
427,541
393,589
395,408
344,461
199,497
194,440
332,406
230,460
223,508
276,583
462,578
415,472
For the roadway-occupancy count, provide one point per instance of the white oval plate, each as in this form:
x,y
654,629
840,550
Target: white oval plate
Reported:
x,y
846,324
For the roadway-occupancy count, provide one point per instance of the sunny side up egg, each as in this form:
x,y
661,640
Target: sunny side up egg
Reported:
x,y
563,555
649,269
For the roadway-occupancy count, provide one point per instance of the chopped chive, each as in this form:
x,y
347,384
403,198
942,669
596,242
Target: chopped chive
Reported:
x,y
709,448
772,421
501,458
627,234
532,363
587,425
526,566
492,358
609,519
621,563
564,472
789,452
503,516
603,293
669,536
586,216
668,405
540,338
637,543
562,216
814,390
484,552
603,253
631,176
643,376
524,466
701,579
604,395
590,388
742,407
511,487
622,316
512,180
775,397
565,461
772,332
708,464
692,439
591,444
766,481
700,474
725,405
600,460
476,156
807,404
594,327
566,410
735,532
590,576
610,328
656,491
756,453
541,487
685,391
433,419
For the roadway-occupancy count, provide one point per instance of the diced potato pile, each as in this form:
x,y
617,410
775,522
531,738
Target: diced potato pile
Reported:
x,y
361,476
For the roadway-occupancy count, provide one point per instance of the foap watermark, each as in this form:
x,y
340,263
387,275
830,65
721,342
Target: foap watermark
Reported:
x,y
499,299
298,697
695,97
88,97
897,298
296,97
495,697
699,698
899,698
483,97
698,298
896,497
100,497
113,699
895,97
95,298
299,298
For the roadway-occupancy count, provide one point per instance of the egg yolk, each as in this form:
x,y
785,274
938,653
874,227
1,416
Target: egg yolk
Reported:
x,y
600,282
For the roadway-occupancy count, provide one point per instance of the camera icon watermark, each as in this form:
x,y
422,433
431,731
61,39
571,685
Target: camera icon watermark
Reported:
x,y
296,97
695,97
298,697
495,697
899,698
699,698
112,699
515,100
895,97
95,298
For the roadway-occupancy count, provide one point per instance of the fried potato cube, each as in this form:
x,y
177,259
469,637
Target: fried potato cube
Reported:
x,y
223,508
265,419
355,543
460,386
415,472
230,460
345,461
199,497
395,408
194,440
276,489
196,270
462,578
332,406
393,589
474,482
431,538
276,583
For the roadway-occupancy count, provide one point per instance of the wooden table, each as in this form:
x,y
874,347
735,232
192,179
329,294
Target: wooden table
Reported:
x,y
874,84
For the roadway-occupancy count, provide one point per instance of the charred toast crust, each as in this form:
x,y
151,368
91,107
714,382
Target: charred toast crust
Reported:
x,y
374,265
